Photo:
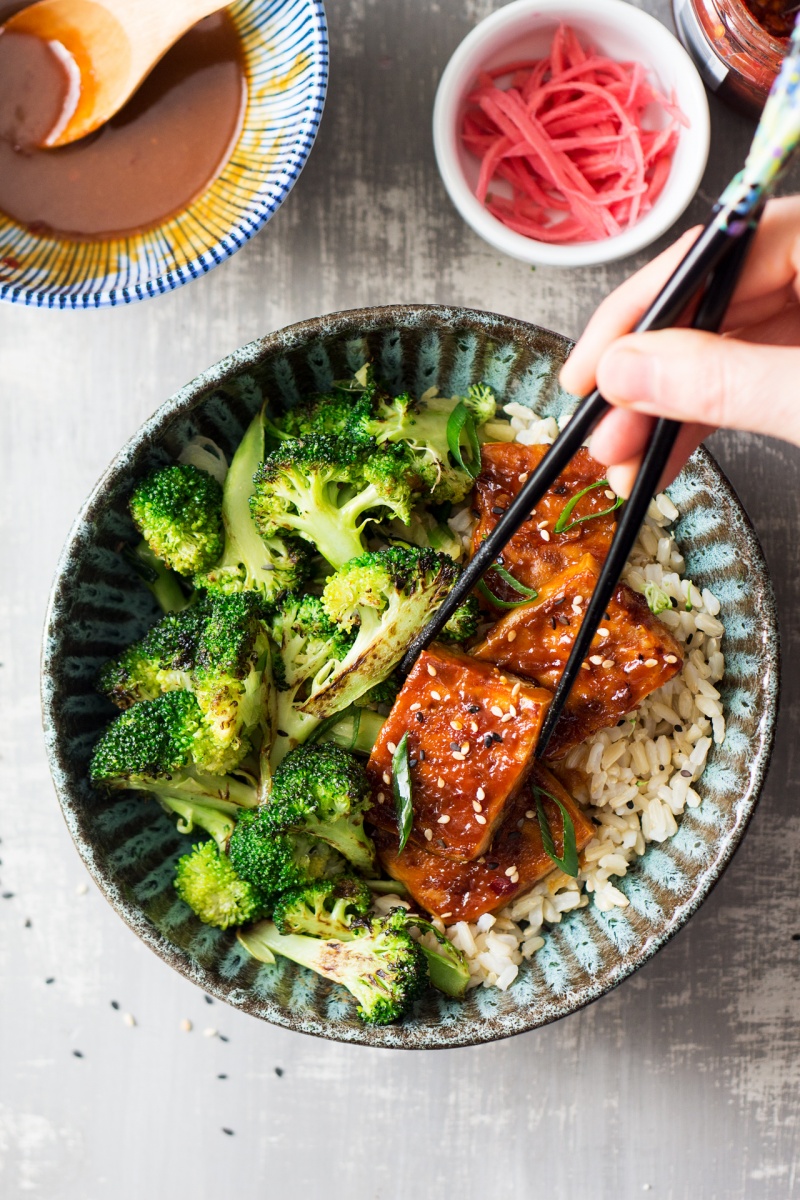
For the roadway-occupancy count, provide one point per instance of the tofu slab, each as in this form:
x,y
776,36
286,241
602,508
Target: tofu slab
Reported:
x,y
513,863
632,654
535,553
472,730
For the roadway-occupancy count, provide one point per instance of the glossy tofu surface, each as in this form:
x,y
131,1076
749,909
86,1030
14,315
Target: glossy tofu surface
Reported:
x,y
512,864
472,730
632,654
536,553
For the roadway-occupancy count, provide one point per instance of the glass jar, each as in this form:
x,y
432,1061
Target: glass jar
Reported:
x,y
735,45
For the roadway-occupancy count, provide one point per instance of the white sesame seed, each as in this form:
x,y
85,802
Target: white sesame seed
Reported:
x,y
578,600
456,725
435,696
530,814
506,717
473,726
607,663
481,794
129,1019
431,670
186,1025
481,820
670,658
523,478
477,806
209,1033
542,524
515,690
440,782
510,870
428,834
595,659
414,707
447,914
584,666
81,889
602,631
609,494
511,636
458,755
512,710
465,747
444,819
651,662
545,535
390,746
386,777
515,878
381,797
496,710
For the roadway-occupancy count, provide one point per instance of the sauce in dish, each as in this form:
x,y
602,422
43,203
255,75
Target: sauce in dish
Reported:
x,y
161,151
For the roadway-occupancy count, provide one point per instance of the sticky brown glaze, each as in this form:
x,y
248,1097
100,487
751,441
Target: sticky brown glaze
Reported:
x,y
464,891
34,88
534,555
632,654
473,728
150,161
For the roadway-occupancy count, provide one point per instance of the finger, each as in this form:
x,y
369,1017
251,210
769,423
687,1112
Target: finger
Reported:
x,y
621,438
693,376
618,313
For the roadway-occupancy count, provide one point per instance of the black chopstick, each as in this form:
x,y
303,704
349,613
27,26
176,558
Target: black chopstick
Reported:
x,y
709,316
690,277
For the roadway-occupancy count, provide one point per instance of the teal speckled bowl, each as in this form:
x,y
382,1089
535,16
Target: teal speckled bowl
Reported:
x,y
97,605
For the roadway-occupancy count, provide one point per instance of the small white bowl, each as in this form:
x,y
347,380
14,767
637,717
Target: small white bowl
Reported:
x,y
524,29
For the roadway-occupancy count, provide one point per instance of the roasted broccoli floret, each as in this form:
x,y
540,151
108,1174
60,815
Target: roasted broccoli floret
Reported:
x,y
463,623
324,909
381,965
178,511
425,427
273,862
270,566
325,489
323,790
340,411
386,596
216,648
207,882
384,692
160,746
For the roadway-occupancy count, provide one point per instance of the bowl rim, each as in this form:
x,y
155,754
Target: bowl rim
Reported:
x,y
570,254
354,322
249,222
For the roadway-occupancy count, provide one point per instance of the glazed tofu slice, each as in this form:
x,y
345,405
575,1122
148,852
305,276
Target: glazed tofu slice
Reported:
x,y
536,553
632,654
514,862
472,730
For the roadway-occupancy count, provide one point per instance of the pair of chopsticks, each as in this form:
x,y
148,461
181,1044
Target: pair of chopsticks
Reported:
x,y
706,276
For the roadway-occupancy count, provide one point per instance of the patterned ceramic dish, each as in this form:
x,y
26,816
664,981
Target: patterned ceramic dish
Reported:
x,y
97,605
285,49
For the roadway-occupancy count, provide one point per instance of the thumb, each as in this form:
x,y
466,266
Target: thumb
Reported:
x,y
702,377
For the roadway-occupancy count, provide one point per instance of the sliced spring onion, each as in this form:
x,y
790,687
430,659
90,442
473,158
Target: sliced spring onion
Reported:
x,y
330,722
460,424
569,860
401,786
657,599
561,525
527,593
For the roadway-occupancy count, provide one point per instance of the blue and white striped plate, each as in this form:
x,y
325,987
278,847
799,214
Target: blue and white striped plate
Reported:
x,y
285,51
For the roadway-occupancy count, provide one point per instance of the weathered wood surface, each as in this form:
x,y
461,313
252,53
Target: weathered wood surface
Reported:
x,y
685,1081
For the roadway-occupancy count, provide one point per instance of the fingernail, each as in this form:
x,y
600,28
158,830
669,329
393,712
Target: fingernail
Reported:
x,y
626,375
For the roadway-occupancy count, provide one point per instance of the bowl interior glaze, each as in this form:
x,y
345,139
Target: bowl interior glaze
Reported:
x,y
98,605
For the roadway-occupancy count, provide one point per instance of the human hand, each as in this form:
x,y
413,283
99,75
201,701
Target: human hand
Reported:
x,y
747,378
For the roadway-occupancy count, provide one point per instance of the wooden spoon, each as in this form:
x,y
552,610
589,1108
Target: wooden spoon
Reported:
x,y
113,45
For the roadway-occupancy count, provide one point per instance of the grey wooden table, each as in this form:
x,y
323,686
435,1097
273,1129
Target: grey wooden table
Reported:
x,y
685,1081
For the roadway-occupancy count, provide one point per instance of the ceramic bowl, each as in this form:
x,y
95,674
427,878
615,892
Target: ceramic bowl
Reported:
x,y
98,605
524,29
285,50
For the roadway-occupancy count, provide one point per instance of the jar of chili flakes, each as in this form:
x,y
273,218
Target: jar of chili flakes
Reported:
x,y
737,45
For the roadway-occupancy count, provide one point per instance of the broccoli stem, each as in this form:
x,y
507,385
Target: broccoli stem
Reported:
x,y
253,941
213,820
243,544
157,577
223,792
349,839
366,735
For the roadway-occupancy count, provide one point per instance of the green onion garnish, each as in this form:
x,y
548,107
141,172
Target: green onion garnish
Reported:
x,y
561,525
569,860
401,785
460,423
337,718
527,593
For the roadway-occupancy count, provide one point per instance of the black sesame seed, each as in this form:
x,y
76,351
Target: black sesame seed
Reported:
x,y
208,999
50,979
455,745
679,729
78,1053
796,937
497,737
473,708
421,755
28,923
488,739
412,762
223,1038
281,733
279,1071
686,774
689,638
222,1077
553,622
228,1131
8,895
419,717
492,866
115,1005
620,723
497,510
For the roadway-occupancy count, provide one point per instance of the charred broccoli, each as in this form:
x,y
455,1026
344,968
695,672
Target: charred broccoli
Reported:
x,y
324,909
273,862
207,882
323,791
